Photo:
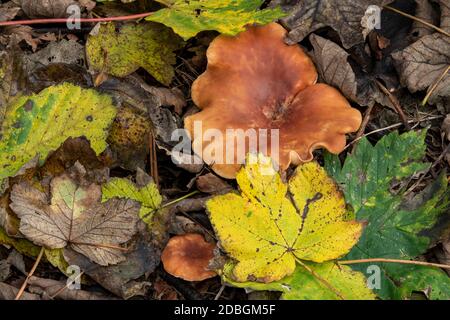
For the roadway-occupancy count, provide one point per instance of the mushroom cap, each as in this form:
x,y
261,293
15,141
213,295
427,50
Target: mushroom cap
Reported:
x,y
187,257
256,81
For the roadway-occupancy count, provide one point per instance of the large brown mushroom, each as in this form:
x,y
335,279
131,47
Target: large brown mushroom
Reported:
x,y
254,80
187,257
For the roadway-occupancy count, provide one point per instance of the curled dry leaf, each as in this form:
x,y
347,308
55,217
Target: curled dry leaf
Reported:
x,y
210,183
271,224
187,257
46,8
334,69
8,12
277,90
75,217
425,63
344,16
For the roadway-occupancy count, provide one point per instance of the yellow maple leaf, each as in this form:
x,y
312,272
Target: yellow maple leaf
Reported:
x,y
271,224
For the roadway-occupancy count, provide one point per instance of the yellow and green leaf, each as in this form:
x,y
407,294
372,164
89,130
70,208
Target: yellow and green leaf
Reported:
x,y
121,52
270,224
38,124
189,17
148,196
342,283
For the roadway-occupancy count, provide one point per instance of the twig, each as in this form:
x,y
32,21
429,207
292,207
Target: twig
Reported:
x,y
391,127
418,20
66,286
179,199
395,103
322,280
439,159
70,20
364,123
433,88
217,297
33,269
419,263
153,159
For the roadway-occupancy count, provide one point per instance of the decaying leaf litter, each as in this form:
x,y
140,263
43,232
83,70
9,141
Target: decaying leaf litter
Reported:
x,y
87,179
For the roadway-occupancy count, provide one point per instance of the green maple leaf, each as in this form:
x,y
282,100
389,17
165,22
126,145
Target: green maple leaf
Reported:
x,y
393,230
189,17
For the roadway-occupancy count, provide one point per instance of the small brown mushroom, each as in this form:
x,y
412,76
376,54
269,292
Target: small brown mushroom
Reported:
x,y
187,257
256,81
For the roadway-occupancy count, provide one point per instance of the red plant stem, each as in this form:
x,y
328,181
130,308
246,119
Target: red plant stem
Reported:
x,y
72,20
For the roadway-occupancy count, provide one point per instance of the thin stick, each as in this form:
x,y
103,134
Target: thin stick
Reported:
x,y
418,263
153,159
101,245
322,280
179,199
66,286
418,20
433,88
30,274
391,127
395,103
81,20
364,123
171,203
220,292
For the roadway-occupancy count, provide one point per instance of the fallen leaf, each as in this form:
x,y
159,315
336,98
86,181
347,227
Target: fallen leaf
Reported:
x,y
147,195
335,69
8,12
302,285
75,217
64,51
123,279
344,16
210,183
189,17
46,8
47,288
271,224
132,92
425,63
393,231
129,137
8,292
38,124
120,53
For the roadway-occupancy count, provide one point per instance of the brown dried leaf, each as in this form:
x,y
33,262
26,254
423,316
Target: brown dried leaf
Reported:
x,y
423,63
8,292
47,288
334,69
46,8
75,217
8,13
344,16
210,183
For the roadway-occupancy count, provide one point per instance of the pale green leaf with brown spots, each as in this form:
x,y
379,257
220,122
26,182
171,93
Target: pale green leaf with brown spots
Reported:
x,y
38,124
